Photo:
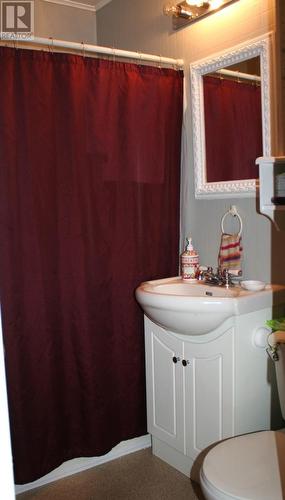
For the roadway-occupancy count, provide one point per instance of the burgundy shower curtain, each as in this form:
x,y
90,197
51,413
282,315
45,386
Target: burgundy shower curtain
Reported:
x,y
233,129
89,208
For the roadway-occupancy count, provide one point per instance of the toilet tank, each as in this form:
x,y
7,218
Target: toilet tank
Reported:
x,y
280,375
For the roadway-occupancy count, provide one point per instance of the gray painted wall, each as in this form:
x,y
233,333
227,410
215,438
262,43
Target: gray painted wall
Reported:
x,y
140,26
64,22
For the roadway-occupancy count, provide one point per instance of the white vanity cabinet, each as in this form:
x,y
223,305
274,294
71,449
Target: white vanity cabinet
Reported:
x,y
209,398
194,393
164,377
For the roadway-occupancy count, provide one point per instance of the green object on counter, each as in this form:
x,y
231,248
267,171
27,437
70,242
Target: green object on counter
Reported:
x,y
276,324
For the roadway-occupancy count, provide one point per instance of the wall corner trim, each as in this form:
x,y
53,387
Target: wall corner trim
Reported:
x,y
101,4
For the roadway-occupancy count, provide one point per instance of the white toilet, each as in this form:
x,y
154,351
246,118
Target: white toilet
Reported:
x,y
252,466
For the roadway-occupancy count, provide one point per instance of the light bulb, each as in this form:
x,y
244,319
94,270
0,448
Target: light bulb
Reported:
x,y
196,3
215,4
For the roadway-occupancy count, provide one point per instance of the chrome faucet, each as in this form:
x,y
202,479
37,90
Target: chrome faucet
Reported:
x,y
221,278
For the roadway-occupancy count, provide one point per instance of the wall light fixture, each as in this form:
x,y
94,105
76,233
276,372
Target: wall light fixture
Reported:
x,y
190,11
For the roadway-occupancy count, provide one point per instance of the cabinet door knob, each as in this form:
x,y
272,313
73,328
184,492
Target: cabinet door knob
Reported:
x,y
185,362
175,359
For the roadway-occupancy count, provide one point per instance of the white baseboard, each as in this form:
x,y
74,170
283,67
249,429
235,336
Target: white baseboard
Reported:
x,y
80,464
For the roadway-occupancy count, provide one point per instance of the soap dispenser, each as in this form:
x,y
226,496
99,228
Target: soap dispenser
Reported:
x,y
189,262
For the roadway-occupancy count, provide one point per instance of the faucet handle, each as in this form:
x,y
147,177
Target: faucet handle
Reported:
x,y
220,272
227,278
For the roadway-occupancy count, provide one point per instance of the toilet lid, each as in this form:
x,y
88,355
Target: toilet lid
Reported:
x,y
248,467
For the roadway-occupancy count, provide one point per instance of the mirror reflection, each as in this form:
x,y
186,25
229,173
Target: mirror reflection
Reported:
x,y
233,121
230,98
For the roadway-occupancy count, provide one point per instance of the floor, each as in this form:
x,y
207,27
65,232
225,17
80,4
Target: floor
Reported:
x,y
138,476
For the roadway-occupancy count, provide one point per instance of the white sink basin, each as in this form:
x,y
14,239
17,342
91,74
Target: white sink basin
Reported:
x,y
196,308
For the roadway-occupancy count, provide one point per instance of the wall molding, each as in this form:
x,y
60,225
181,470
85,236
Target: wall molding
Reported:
x,y
71,3
80,5
80,464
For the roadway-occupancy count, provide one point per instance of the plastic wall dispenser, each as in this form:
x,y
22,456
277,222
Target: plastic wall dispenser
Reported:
x,y
272,188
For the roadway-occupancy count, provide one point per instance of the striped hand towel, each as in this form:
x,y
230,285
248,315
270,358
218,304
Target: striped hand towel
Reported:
x,y
230,252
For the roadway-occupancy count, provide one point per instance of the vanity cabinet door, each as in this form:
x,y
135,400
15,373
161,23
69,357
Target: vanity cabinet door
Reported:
x,y
209,393
165,407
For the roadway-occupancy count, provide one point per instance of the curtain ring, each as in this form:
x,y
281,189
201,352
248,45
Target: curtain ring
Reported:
x,y
114,54
50,47
160,61
83,49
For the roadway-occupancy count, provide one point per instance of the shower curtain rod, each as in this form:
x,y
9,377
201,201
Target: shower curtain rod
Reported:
x,y
239,74
85,47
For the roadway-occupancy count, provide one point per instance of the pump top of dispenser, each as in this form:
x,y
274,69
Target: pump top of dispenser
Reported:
x,y
189,246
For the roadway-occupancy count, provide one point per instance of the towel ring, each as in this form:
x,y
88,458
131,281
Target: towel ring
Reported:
x,y
232,211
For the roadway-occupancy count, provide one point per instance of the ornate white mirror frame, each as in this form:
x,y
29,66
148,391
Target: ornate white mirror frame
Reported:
x,y
254,48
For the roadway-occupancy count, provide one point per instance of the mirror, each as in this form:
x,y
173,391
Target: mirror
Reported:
x,y
231,119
